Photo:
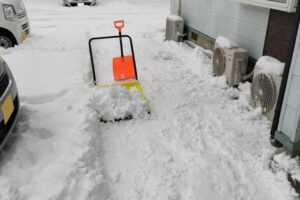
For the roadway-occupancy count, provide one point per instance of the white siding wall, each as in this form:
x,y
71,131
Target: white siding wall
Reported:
x,y
244,24
174,7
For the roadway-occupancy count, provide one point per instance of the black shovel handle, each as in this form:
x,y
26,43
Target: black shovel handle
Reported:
x,y
119,25
121,44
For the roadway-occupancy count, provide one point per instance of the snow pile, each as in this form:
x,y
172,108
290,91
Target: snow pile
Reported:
x,y
224,42
270,65
9,191
117,102
284,163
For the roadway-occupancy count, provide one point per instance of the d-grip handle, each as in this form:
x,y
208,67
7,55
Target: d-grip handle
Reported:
x,y
119,24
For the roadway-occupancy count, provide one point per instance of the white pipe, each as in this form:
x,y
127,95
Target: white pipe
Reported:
x,y
246,77
179,8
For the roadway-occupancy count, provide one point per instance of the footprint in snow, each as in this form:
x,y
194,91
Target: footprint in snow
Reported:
x,y
43,133
23,120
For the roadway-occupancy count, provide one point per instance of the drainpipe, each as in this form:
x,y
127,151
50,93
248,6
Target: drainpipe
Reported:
x,y
284,80
179,8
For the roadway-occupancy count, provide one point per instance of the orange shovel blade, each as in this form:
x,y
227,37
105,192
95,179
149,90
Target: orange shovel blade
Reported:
x,y
123,68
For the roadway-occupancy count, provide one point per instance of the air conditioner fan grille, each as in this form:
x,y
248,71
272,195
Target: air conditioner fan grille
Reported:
x,y
263,91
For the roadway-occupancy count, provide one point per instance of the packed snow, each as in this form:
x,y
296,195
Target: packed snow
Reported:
x,y
283,163
270,65
116,102
224,42
201,141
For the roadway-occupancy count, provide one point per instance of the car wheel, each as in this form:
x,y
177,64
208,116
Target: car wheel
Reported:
x,y
6,41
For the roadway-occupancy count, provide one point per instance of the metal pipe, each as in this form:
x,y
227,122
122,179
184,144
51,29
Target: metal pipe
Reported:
x,y
121,44
179,8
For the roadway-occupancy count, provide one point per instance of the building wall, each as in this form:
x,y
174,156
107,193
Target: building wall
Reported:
x,y
244,24
290,113
174,7
279,34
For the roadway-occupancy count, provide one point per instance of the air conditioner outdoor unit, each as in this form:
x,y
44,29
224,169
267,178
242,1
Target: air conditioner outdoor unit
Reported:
x,y
264,91
174,28
283,5
232,62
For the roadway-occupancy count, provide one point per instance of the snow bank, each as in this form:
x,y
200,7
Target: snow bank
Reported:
x,y
116,102
284,163
225,42
270,65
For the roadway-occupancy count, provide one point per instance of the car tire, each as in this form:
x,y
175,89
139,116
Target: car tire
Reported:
x,y
7,41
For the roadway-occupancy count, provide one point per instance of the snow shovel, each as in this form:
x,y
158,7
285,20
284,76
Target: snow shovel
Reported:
x,y
123,67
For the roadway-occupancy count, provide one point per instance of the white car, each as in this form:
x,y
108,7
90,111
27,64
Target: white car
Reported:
x,y
14,26
77,2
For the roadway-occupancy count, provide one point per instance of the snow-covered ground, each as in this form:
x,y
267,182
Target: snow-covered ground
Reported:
x,y
201,141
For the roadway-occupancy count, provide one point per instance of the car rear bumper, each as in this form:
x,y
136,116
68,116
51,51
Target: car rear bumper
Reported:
x,y
6,129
